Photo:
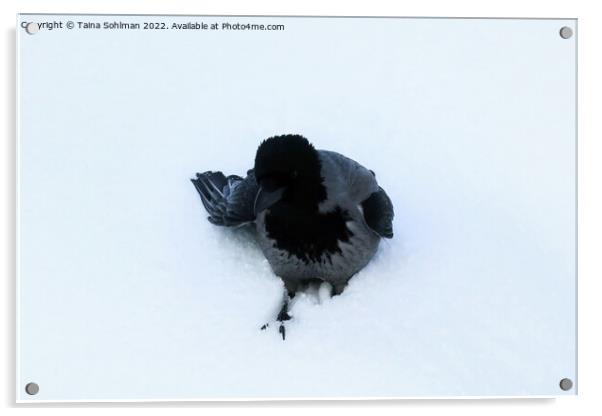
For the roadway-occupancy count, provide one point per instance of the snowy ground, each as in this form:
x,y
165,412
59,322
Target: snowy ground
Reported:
x,y
133,294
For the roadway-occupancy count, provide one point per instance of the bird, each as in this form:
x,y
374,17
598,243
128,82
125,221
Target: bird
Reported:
x,y
318,215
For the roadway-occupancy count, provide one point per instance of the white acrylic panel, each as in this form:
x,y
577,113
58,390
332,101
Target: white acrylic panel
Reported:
x,y
126,292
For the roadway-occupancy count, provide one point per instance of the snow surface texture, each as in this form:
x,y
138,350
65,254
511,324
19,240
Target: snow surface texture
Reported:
x,y
126,291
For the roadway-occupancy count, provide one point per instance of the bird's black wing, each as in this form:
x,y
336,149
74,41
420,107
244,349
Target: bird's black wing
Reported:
x,y
378,213
229,201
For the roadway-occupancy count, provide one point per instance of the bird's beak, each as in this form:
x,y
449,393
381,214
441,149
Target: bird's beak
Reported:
x,y
266,199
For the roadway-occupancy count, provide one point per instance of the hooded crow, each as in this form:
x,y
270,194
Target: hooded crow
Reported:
x,y
318,215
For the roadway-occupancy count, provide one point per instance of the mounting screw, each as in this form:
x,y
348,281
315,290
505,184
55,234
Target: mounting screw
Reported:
x,y
32,28
566,32
566,384
32,389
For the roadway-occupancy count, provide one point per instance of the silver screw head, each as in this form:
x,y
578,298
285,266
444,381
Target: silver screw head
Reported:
x,y
566,384
32,389
32,28
566,32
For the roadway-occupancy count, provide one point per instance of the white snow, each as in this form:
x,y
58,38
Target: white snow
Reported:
x,y
128,292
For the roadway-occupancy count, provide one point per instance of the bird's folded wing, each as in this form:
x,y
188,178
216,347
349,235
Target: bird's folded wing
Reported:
x,y
378,213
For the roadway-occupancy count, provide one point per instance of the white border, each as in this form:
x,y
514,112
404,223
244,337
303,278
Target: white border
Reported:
x,y
589,400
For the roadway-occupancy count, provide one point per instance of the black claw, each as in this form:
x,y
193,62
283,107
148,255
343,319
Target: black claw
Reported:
x,y
264,326
282,331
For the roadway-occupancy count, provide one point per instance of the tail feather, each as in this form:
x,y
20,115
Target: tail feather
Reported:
x,y
224,198
210,187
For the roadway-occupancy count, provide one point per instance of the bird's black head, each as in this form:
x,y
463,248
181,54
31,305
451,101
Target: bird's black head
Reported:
x,y
287,168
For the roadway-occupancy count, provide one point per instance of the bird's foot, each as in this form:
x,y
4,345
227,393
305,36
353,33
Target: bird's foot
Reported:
x,y
282,317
